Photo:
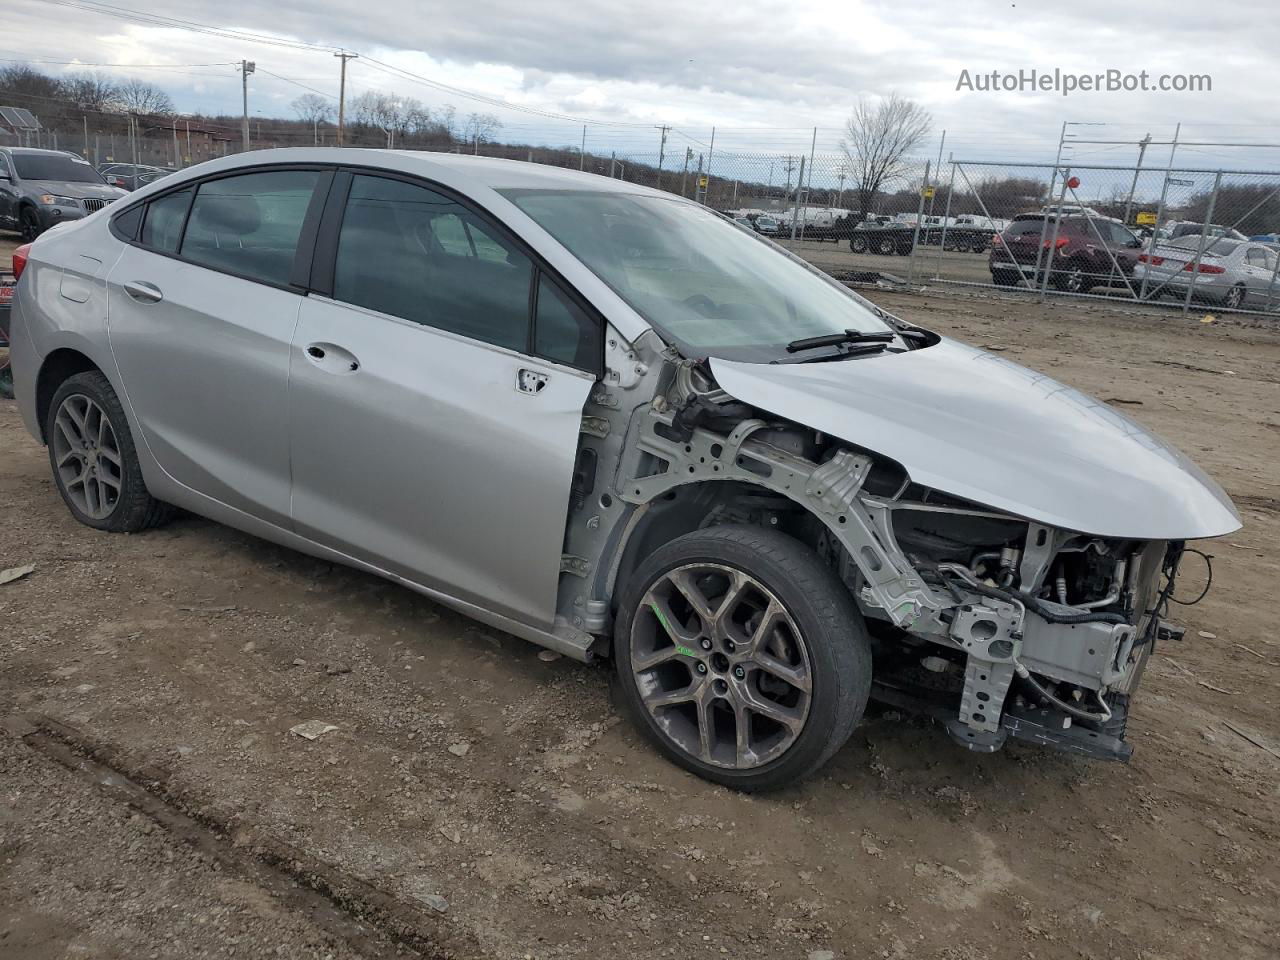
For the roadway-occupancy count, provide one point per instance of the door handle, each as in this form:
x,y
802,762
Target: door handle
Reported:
x,y
332,358
142,291
531,381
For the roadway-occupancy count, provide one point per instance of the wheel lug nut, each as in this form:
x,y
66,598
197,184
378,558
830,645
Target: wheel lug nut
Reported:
x,y
701,668
740,673
706,644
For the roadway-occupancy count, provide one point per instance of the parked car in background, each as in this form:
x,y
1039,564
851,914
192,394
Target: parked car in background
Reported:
x,y
1234,274
1078,252
603,419
42,188
1188,228
128,176
766,225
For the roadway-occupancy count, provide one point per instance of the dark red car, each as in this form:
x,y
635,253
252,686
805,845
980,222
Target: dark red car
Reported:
x,y
1087,252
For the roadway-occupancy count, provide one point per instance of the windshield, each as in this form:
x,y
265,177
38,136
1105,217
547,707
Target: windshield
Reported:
x,y
55,166
712,288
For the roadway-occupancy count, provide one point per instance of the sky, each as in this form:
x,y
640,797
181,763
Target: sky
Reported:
x,y
763,74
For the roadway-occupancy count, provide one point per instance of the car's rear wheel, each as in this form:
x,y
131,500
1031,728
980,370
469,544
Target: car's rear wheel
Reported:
x,y
742,657
1234,298
885,246
28,224
858,244
94,460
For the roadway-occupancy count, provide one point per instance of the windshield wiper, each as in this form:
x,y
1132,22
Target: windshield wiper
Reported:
x,y
847,338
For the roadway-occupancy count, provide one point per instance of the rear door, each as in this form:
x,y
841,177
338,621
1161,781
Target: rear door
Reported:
x,y
202,308
433,426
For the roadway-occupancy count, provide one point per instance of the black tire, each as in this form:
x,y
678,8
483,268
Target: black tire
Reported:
x,y
858,244
828,621
134,509
29,224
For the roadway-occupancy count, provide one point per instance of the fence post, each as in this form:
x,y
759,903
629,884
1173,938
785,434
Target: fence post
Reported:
x,y
1053,244
1272,285
915,237
795,207
1204,240
1151,246
946,215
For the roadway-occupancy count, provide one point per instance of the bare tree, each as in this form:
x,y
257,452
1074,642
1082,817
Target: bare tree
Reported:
x,y
878,137
313,109
138,96
92,92
480,127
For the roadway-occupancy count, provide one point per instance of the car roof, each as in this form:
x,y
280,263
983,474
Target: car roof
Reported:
x,y
38,150
452,168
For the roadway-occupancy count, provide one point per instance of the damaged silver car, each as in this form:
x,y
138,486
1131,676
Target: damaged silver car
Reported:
x,y
613,423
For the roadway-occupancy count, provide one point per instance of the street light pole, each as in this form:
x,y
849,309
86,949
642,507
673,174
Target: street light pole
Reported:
x,y
246,67
342,95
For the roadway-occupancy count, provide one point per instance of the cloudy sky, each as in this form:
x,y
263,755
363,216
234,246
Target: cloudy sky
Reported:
x,y
764,73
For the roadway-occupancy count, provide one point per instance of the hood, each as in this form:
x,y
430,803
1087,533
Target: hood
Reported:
x,y
75,189
974,425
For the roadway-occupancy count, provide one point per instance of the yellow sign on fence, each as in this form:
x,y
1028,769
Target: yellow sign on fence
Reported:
x,y
1145,219
702,182
927,193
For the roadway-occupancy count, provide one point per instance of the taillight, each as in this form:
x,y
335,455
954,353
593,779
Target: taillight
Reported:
x,y
20,259
1059,243
1205,268
1151,259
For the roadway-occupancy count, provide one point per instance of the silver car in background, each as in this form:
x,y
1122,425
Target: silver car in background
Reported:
x,y
1235,274
608,421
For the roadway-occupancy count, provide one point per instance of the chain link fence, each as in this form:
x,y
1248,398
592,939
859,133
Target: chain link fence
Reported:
x,y
1182,237
1188,237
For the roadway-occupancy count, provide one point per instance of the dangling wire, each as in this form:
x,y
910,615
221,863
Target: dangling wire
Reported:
x,y
1208,563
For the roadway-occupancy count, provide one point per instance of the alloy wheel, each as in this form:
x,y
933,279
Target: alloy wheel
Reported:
x,y
86,455
28,225
721,666
1235,297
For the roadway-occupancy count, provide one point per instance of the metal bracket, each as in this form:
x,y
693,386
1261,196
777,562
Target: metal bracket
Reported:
x,y
985,686
578,566
595,427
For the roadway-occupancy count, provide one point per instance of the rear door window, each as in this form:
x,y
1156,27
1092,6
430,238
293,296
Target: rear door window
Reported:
x,y
162,225
249,225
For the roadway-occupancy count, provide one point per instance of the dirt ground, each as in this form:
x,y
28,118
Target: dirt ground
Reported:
x,y
478,801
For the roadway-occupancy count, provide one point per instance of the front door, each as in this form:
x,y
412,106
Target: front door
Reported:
x,y
430,434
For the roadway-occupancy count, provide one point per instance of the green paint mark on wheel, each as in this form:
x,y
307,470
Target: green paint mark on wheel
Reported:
x,y
666,625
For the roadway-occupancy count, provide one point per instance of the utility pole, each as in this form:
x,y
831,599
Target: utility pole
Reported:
x,y
85,118
795,209
582,153
684,177
188,141
662,149
342,94
789,167
133,137
177,162
1142,149
246,67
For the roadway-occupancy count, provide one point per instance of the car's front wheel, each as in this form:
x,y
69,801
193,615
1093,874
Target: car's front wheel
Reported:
x,y
742,656
95,464
29,224
858,244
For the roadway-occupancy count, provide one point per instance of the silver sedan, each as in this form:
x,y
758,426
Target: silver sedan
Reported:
x,y
614,423
1235,274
